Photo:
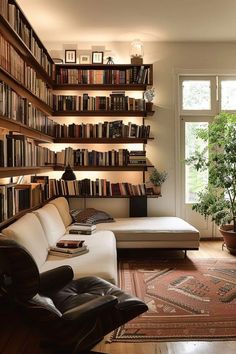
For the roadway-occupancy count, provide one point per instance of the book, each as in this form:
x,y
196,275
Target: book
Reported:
x,y
81,232
68,250
68,255
82,226
70,244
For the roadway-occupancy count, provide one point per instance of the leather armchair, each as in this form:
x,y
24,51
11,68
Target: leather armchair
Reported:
x,y
73,315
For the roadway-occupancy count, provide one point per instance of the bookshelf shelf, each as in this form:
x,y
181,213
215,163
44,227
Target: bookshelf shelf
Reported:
x,y
18,171
102,140
106,168
101,87
9,221
25,130
103,113
111,197
24,92
22,48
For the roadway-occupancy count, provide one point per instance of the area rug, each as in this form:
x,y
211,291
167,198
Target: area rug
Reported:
x,y
187,300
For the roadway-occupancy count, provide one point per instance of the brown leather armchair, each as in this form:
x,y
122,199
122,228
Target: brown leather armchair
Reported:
x,y
73,315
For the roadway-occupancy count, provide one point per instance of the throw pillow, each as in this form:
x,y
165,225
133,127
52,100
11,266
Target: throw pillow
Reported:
x,y
90,216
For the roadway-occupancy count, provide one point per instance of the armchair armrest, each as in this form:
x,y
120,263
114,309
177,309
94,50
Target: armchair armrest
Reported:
x,y
55,279
91,308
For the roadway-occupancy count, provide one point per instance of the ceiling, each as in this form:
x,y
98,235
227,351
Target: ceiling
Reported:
x,y
67,21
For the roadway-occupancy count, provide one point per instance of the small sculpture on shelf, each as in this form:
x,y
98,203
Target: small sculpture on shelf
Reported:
x,y
157,178
148,96
110,60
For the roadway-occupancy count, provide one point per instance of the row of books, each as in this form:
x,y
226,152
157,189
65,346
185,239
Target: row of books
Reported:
x,y
19,109
115,129
12,62
133,75
83,157
16,150
16,19
116,102
97,188
17,197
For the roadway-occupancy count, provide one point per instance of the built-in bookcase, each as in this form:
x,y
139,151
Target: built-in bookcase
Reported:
x,y
28,81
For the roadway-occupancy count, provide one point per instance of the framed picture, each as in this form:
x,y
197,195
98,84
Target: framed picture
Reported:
x,y
70,56
84,59
97,57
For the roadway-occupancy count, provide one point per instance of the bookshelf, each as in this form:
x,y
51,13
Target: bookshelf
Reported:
x,y
27,68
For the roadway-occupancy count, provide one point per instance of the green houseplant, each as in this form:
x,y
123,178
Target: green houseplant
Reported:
x,y
157,178
218,201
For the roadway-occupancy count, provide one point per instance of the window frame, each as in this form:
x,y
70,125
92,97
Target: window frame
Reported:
x,y
220,79
213,96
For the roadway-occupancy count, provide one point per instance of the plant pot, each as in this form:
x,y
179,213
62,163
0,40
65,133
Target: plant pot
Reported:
x,y
229,237
157,190
149,106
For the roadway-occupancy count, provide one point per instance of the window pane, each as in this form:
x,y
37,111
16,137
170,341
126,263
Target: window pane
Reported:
x,y
228,95
195,181
196,95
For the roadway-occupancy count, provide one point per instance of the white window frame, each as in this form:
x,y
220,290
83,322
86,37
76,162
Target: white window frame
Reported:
x,y
220,79
214,101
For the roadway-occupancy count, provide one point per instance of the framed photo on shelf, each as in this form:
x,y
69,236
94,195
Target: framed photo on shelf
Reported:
x,y
97,57
84,59
70,56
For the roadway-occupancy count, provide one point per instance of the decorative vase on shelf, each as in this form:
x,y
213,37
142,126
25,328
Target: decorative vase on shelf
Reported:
x,y
149,106
157,190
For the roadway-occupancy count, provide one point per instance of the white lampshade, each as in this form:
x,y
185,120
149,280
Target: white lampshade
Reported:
x,y
136,49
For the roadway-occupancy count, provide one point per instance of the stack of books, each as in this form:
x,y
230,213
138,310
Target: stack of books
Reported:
x,y
82,229
69,248
137,158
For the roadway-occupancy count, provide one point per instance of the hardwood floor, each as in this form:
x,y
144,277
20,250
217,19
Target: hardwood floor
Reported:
x,y
18,337
208,249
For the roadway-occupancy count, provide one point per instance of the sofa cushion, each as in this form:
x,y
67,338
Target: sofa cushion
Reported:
x,y
63,207
100,260
90,216
51,222
28,232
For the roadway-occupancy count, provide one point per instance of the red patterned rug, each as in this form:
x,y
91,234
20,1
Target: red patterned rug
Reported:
x,y
187,300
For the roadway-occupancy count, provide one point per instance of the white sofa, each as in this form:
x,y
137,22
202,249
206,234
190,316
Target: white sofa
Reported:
x,y
39,230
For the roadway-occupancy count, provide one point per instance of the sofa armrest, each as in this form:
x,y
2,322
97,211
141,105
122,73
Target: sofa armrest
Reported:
x,y
55,279
91,308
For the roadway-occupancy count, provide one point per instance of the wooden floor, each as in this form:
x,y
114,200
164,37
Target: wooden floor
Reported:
x,y
208,249
19,338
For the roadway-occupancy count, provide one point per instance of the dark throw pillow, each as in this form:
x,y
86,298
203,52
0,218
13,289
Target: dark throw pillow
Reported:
x,y
90,216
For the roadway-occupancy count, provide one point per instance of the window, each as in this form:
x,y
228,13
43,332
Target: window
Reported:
x,y
195,181
228,94
196,95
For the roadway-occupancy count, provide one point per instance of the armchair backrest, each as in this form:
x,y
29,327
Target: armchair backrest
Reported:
x,y
19,275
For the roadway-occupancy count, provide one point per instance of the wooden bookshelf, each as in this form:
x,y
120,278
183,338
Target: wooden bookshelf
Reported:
x,y
112,197
102,140
101,87
22,91
21,128
106,168
25,52
103,113
18,171
9,221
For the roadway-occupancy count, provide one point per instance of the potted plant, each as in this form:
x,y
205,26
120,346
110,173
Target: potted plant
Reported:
x,y
218,201
148,96
157,178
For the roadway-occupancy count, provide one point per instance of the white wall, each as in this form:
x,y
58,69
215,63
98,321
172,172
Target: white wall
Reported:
x,y
168,58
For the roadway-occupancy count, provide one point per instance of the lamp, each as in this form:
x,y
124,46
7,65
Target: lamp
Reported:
x,y
68,175
136,52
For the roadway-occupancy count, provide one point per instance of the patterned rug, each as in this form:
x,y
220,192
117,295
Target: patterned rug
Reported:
x,y
187,300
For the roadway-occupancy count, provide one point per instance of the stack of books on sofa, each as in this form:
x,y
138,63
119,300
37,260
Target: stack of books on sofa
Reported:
x,y
68,248
82,229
